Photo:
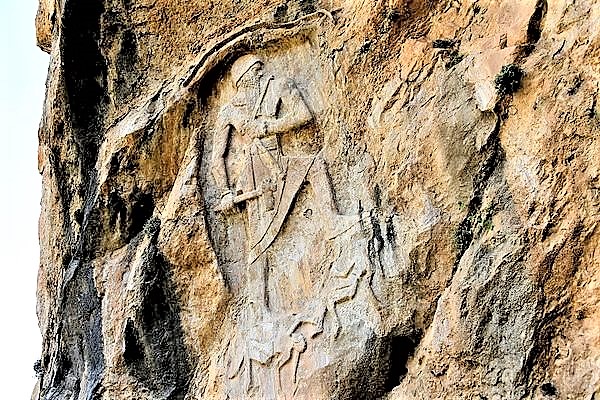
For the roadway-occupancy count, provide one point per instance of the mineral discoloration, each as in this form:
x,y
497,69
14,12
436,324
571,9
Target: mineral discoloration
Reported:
x,y
320,200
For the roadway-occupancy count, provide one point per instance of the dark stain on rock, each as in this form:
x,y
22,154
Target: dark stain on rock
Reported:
x,y
77,329
85,73
492,158
575,85
390,232
534,27
115,162
157,353
38,368
548,389
118,210
142,207
280,13
189,110
453,58
381,368
80,345
128,215
508,80
126,64
307,6
443,43
133,353
377,195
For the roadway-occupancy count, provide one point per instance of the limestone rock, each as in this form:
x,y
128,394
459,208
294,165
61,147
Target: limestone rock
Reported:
x,y
320,200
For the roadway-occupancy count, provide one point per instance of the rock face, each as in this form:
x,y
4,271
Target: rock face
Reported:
x,y
320,200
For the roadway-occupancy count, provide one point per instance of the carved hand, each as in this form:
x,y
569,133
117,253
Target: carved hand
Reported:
x,y
255,128
227,205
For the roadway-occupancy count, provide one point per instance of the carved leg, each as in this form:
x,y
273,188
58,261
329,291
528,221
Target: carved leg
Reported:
x,y
295,345
296,362
314,317
336,320
321,184
235,365
294,356
282,362
256,289
346,291
319,321
298,346
249,383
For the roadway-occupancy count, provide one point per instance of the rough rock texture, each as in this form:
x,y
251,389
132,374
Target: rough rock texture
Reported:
x,y
400,200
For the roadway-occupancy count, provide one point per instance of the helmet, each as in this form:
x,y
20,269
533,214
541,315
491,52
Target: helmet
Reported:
x,y
242,65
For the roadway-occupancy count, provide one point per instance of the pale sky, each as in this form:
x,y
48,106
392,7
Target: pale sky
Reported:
x,y
23,69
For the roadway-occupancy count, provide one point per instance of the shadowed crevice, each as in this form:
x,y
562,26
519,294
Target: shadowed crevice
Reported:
x,y
154,349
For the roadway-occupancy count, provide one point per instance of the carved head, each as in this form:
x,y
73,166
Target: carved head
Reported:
x,y
248,64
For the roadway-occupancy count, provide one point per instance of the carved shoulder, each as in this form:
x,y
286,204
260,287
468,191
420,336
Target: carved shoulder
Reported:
x,y
288,92
224,117
286,103
285,87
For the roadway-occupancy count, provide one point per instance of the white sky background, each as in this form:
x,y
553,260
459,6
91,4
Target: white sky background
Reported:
x,y
23,69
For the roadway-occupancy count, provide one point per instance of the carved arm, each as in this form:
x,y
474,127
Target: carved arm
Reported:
x,y
295,113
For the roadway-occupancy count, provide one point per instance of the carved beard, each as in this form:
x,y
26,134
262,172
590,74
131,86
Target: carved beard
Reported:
x,y
248,91
251,82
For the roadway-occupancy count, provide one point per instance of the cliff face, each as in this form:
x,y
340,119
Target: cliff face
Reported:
x,y
320,200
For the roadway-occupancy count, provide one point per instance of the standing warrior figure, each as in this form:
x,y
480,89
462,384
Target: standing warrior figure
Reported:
x,y
263,108
261,111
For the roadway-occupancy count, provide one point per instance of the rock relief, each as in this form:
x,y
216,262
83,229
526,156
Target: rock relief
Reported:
x,y
283,235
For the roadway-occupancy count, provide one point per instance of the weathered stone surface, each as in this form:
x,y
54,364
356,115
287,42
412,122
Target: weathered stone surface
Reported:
x,y
320,200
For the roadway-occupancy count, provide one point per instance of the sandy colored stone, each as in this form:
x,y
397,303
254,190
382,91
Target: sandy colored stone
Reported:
x,y
422,222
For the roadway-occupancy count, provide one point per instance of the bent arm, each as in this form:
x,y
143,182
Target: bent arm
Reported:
x,y
294,112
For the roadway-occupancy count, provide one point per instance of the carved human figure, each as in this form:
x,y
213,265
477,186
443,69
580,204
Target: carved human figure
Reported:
x,y
263,109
